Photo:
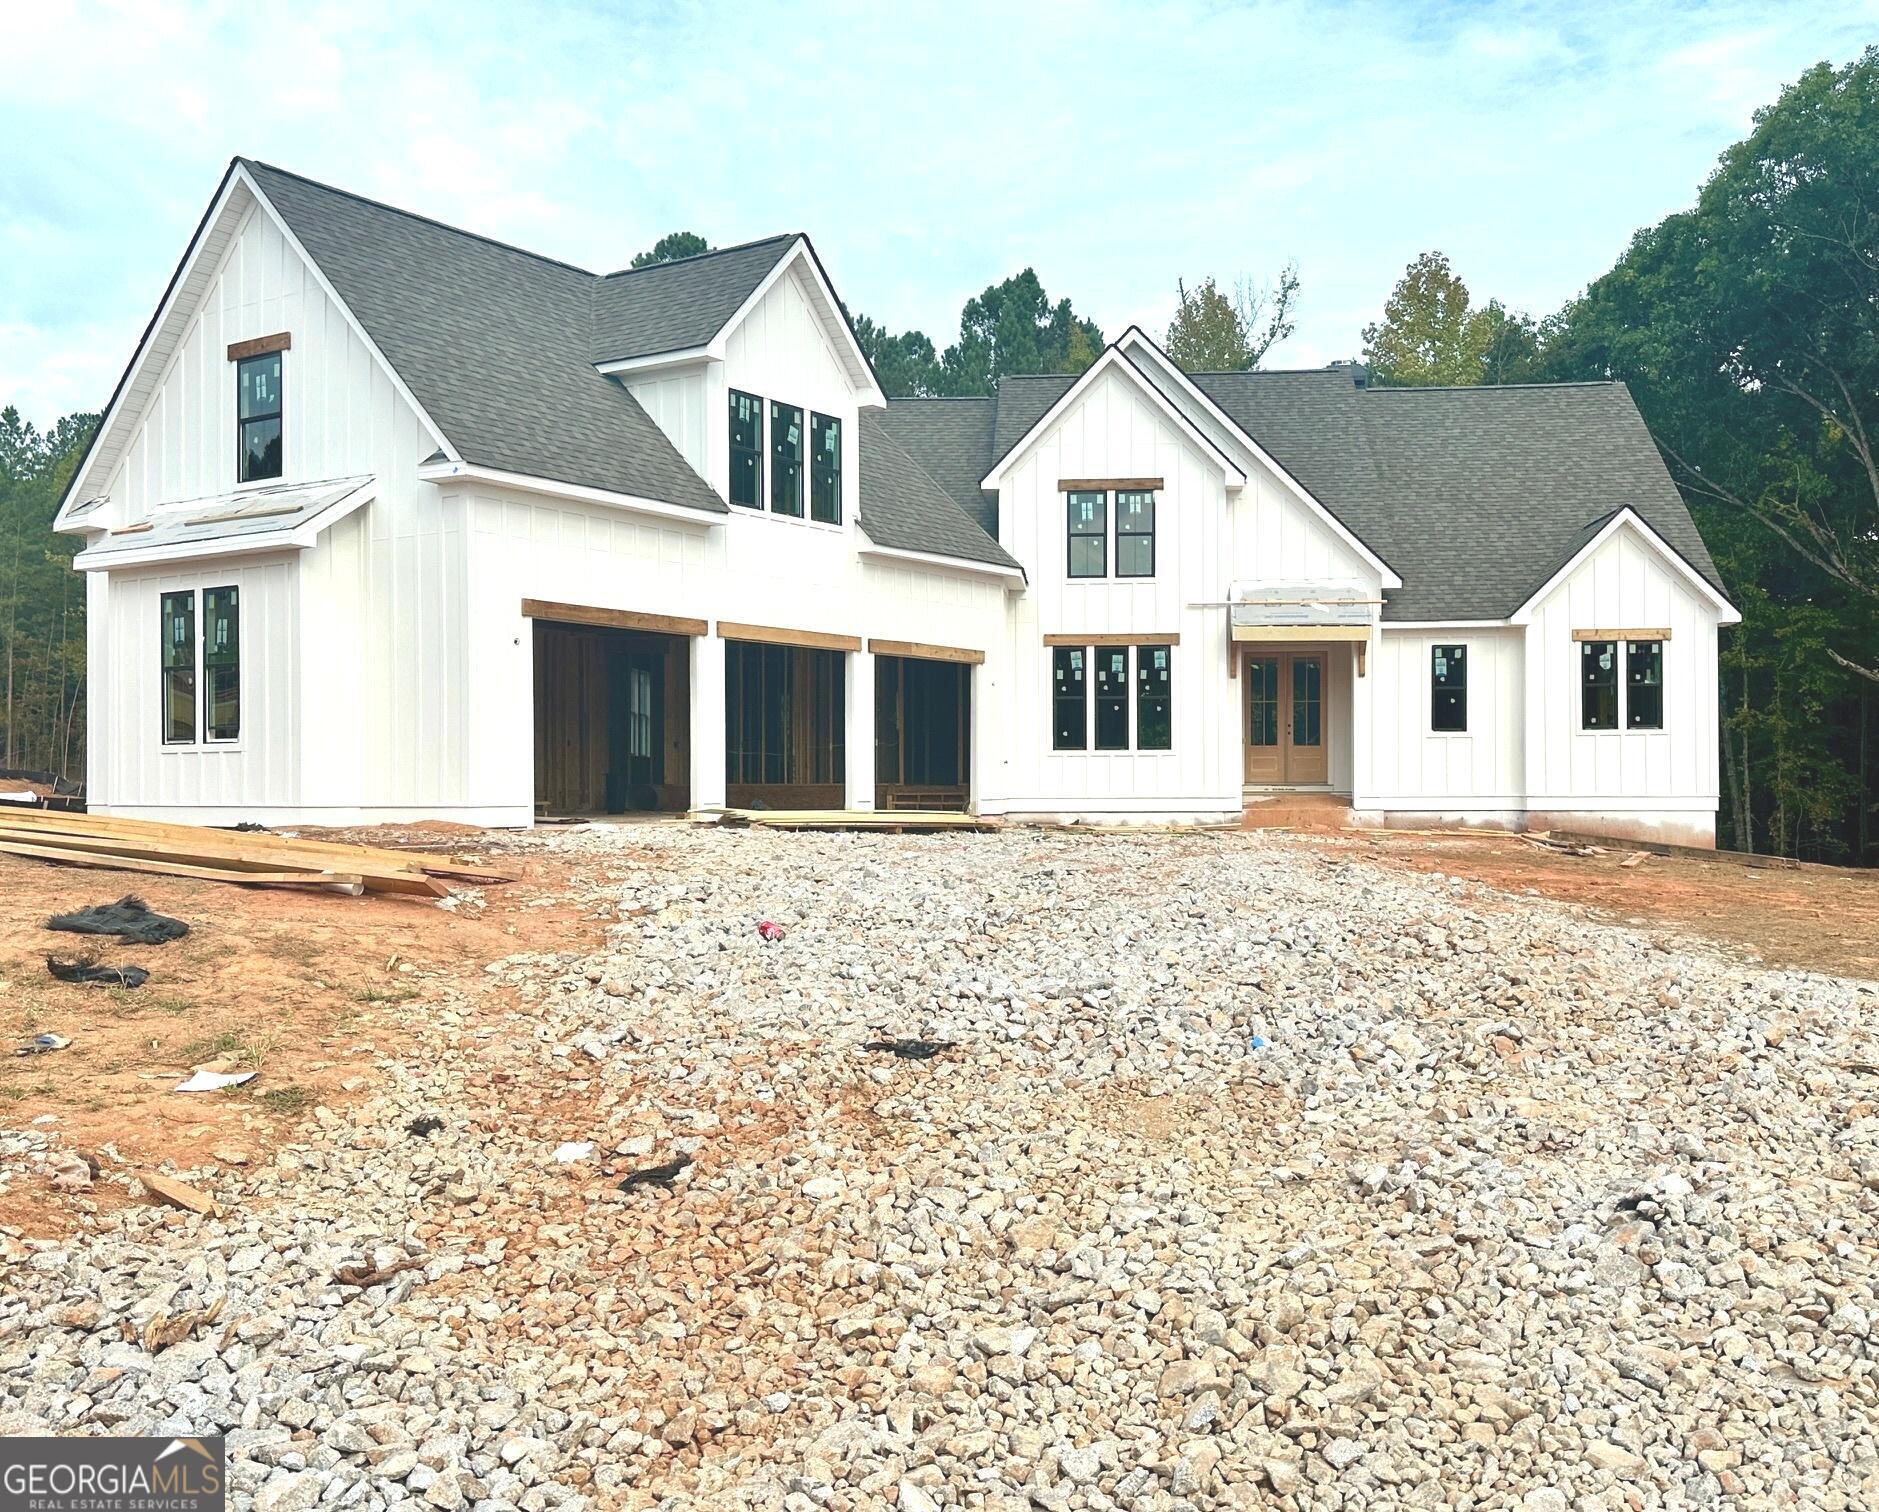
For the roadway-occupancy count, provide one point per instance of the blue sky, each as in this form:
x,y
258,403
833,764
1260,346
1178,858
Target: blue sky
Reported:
x,y
929,149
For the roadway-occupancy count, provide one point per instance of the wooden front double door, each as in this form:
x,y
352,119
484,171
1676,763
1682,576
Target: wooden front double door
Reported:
x,y
1285,734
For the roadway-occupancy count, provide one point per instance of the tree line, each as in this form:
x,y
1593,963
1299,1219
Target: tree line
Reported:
x,y
1747,328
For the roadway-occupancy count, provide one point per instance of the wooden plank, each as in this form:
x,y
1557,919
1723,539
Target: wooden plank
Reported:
x,y
612,619
260,346
1170,638
925,651
1659,633
773,635
1103,485
1270,634
342,881
857,819
197,837
226,865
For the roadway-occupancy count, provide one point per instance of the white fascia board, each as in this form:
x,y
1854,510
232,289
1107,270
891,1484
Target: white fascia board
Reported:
x,y
303,537
679,357
467,472
1629,518
365,338
1136,336
868,393
1114,358
1013,575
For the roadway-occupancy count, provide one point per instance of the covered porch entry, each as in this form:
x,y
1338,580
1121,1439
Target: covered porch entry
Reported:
x,y
1297,650
922,725
612,710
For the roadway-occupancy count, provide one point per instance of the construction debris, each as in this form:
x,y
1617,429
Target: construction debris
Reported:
x,y
130,918
424,1126
161,1330
252,858
659,1175
179,1194
1564,847
85,970
910,1049
43,1044
214,1081
371,1275
893,820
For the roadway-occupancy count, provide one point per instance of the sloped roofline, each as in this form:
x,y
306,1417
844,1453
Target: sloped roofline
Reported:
x,y
237,175
804,251
1389,575
1620,519
1113,358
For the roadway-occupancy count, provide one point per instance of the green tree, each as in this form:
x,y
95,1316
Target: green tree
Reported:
x,y
906,365
1014,328
1432,334
1215,332
673,245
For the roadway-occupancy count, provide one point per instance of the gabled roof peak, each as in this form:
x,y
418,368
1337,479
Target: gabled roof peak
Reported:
x,y
744,246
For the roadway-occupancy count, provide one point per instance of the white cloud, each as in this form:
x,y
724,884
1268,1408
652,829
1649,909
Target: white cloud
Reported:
x,y
929,150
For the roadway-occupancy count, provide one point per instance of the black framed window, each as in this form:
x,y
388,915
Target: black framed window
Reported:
x,y
1154,712
1112,698
1135,533
786,459
1069,699
1644,685
1598,685
746,450
258,417
221,663
179,668
1089,534
1448,689
825,469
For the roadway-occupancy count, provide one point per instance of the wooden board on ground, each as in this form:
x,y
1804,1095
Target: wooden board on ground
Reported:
x,y
339,881
850,819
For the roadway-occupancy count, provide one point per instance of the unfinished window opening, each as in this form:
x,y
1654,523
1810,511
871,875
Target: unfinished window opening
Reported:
x,y
786,460
923,728
1069,699
1598,685
258,417
746,450
784,726
825,469
612,720
1448,697
179,668
1135,534
1089,534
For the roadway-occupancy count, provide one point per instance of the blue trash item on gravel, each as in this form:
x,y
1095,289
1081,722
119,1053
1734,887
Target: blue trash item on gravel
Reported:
x,y
130,918
1259,1042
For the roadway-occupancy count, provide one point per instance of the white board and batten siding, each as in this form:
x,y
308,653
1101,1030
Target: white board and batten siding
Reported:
x,y
1410,765
1113,430
1626,583
344,712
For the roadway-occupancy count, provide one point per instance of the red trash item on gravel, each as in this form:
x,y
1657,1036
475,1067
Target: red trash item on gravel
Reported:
x,y
770,930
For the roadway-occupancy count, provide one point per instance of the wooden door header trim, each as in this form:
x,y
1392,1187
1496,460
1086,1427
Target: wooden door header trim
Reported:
x,y
612,619
260,346
1662,633
1168,638
923,651
1104,485
775,635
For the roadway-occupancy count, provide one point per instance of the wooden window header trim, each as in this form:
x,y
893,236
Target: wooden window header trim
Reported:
x,y
1104,485
1661,633
612,619
260,346
1170,638
773,635
922,651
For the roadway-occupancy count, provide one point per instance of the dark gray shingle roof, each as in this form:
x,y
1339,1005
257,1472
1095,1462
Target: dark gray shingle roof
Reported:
x,y
1474,496
674,306
903,507
493,342
950,440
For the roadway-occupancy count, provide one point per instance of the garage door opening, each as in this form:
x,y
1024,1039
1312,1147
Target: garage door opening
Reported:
x,y
785,735
922,733
612,721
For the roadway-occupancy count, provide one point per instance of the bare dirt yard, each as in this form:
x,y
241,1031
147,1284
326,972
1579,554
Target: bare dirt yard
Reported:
x,y
1022,1169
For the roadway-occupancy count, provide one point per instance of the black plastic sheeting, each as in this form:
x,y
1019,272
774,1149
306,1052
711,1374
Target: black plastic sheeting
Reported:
x,y
95,974
129,918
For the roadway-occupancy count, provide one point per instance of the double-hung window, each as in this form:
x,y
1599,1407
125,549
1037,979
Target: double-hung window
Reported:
x,y
258,417
746,450
1154,722
1598,685
786,459
1135,533
825,469
1644,685
1448,690
1112,698
1089,534
1069,699
205,664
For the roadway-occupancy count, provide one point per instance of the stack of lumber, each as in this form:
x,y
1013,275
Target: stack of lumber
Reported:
x,y
850,819
255,858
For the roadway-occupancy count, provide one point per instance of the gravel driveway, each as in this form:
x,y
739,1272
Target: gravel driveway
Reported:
x,y
1246,1174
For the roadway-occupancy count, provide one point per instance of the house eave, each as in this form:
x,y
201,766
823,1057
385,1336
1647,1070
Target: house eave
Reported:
x,y
468,472
1013,576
